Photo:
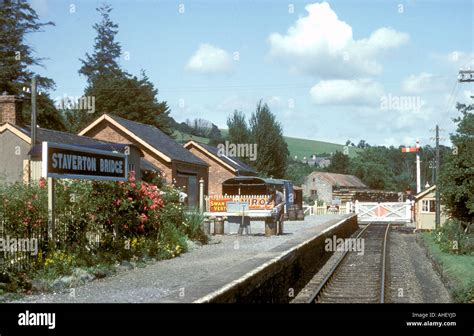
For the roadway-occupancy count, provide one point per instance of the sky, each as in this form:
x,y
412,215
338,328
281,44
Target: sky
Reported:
x,y
382,71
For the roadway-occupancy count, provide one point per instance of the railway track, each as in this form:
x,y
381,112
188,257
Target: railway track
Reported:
x,y
358,277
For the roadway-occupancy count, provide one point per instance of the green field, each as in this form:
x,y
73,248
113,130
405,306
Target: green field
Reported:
x,y
185,137
297,147
304,147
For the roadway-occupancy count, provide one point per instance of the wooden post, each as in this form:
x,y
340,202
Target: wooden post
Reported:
x,y
51,209
26,171
201,194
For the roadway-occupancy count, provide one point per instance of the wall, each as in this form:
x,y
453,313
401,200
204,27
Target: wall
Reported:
x,y
201,172
324,190
13,151
217,172
424,220
107,132
293,269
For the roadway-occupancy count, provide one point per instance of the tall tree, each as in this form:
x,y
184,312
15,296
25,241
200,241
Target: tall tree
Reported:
x,y
456,183
17,20
115,91
103,62
238,129
339,163
272,149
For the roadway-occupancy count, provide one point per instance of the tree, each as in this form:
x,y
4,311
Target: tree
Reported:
x,y
103,62
17,20
456,180
47,115
239,131
115,91
363,144
372,167
272,150
215,136
339,163
297,171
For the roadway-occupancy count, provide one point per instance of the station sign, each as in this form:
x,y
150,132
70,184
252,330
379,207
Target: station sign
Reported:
x,y
76,162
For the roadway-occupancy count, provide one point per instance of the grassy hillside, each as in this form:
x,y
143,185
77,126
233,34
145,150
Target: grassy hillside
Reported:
x,y
185,137
305,147
296,146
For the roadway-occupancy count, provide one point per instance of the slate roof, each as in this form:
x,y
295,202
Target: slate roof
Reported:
x,y
43,134
159,140
235,163
340,180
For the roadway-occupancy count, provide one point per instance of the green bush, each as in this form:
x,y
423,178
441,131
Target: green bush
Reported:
x,y
98,223
453,237
193,226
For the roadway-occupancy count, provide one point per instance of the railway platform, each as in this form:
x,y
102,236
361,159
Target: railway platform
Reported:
x,y
233,268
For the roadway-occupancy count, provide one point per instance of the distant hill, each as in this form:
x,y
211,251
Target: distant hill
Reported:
x,y
296,146
305,147
182,137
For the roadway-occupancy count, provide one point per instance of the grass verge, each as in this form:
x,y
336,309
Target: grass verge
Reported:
x,y
457,271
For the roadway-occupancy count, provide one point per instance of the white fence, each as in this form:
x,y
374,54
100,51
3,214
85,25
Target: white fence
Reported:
x,y
384,212
366,211
327,209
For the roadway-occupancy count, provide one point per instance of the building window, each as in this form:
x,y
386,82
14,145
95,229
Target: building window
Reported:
x,y
428,206
314,179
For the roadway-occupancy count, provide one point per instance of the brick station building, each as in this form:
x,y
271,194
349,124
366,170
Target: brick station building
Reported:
x,y
221,167
177,164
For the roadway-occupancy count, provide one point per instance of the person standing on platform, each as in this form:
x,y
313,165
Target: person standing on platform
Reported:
x,y
278,208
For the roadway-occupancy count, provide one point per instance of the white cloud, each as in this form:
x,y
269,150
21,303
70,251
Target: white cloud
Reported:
x,y
347,92
425,82
461,58
322,45
209,59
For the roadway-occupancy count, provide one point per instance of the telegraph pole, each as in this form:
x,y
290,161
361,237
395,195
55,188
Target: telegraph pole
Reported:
x,y
438,205
33,111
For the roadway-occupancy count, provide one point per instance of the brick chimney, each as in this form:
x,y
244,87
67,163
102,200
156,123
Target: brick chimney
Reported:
x,y
10,109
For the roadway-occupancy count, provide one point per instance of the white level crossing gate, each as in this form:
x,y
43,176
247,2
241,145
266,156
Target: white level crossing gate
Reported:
x,y
393,212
